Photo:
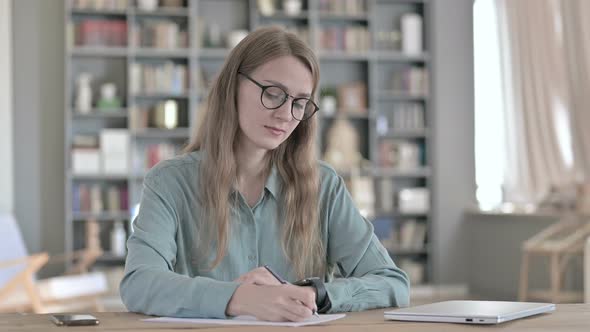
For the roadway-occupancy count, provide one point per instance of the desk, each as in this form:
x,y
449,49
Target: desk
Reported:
x,y
567,317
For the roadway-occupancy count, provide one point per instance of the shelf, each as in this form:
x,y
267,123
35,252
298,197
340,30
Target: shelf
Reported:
x,y
101,216
97,113
99,12
162,96
161,53
396,214
405,133
336,17
422,172
99,177
180,133
343,56
388,2
213,53
109,258
399,56
281,15
162,12
350,116
98,51
397,96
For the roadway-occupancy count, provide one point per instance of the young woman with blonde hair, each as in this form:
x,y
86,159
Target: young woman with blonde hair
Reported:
x,y
249,194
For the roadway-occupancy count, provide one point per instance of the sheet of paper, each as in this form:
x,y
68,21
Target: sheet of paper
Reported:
x,y
246,320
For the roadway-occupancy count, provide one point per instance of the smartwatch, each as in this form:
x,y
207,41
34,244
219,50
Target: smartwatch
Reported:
x,y
322,300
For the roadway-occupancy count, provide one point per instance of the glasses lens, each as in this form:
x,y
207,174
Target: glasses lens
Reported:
x,y
273,97
303,108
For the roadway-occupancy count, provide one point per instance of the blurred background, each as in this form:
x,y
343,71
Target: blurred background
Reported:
x,y
458,126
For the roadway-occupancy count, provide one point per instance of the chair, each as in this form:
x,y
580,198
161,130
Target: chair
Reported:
x,y
561,242
20,291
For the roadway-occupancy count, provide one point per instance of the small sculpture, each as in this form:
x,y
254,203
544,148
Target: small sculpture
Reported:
x,y
342,148
84,94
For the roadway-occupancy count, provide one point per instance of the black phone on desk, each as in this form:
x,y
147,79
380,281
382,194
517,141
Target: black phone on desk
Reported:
x,y
74,320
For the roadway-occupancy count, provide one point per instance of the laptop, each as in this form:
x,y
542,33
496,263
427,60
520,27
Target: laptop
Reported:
x,y
470,312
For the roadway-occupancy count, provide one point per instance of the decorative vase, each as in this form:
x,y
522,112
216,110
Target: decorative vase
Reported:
x,y
148,5
411,24
84,93
108,97
266,7
292,7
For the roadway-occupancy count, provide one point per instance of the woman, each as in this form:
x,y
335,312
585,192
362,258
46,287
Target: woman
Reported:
x,y
249,193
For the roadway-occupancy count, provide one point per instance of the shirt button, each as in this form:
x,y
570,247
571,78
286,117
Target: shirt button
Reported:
x,y
251,257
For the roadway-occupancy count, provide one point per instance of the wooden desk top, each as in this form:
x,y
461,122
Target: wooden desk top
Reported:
x,y
567,317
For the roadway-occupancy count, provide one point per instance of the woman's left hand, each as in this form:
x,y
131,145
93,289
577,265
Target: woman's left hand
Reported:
x,y
258,276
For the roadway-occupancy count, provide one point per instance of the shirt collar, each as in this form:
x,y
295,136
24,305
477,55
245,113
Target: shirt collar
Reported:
x,y
273,182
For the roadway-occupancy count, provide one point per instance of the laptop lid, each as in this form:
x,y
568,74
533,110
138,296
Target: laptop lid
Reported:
x,y
473,312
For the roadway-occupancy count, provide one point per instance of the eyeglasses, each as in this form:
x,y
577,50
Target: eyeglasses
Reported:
x,y
273,97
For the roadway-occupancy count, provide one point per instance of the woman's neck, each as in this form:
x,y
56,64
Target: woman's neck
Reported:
x,y
252,163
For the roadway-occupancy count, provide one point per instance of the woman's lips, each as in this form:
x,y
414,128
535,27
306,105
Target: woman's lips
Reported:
x,y
275,131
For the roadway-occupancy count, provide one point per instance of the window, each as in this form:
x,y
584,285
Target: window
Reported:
x,y
490,154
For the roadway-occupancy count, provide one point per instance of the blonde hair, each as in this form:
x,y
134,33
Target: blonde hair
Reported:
x,y
294,159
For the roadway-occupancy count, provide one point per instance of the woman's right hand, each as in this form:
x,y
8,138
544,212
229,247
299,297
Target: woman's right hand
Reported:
x,y
272,303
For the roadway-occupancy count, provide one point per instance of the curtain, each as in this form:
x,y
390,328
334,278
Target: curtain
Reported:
x,y
577,48
545,60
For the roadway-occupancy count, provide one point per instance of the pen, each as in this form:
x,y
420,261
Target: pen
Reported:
x,y
283,281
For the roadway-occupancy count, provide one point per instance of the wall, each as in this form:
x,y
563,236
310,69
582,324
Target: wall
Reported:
x,y
38,58
6,167
454,186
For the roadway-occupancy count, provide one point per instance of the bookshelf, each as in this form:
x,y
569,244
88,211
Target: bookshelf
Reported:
x,y
358,44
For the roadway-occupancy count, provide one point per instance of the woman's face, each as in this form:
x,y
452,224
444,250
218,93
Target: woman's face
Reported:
x,y
260,127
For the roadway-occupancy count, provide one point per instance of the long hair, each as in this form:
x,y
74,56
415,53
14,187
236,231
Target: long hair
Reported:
x,y
294,159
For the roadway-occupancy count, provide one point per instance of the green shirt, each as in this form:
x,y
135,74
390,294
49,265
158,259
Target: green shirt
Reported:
x,y
166,276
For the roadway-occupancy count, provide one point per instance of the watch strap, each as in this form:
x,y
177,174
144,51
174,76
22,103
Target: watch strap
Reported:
x,y
322,299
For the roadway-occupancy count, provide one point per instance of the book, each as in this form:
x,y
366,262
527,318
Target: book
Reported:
x,y
114,147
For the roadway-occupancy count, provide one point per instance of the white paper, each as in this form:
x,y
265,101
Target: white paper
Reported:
x,y
246,320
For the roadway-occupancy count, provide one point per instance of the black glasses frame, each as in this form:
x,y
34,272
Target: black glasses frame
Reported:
x,y
265,87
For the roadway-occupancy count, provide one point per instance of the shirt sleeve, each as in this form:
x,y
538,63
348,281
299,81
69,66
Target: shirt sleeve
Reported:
x,y
150,285
370,279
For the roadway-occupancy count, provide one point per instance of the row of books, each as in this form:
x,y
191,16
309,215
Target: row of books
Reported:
x,y
348,7
162,34
148,156
100,4
100,32
409,234
400,154
411,80
97,198
402,116
348,39
167,77
168,114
